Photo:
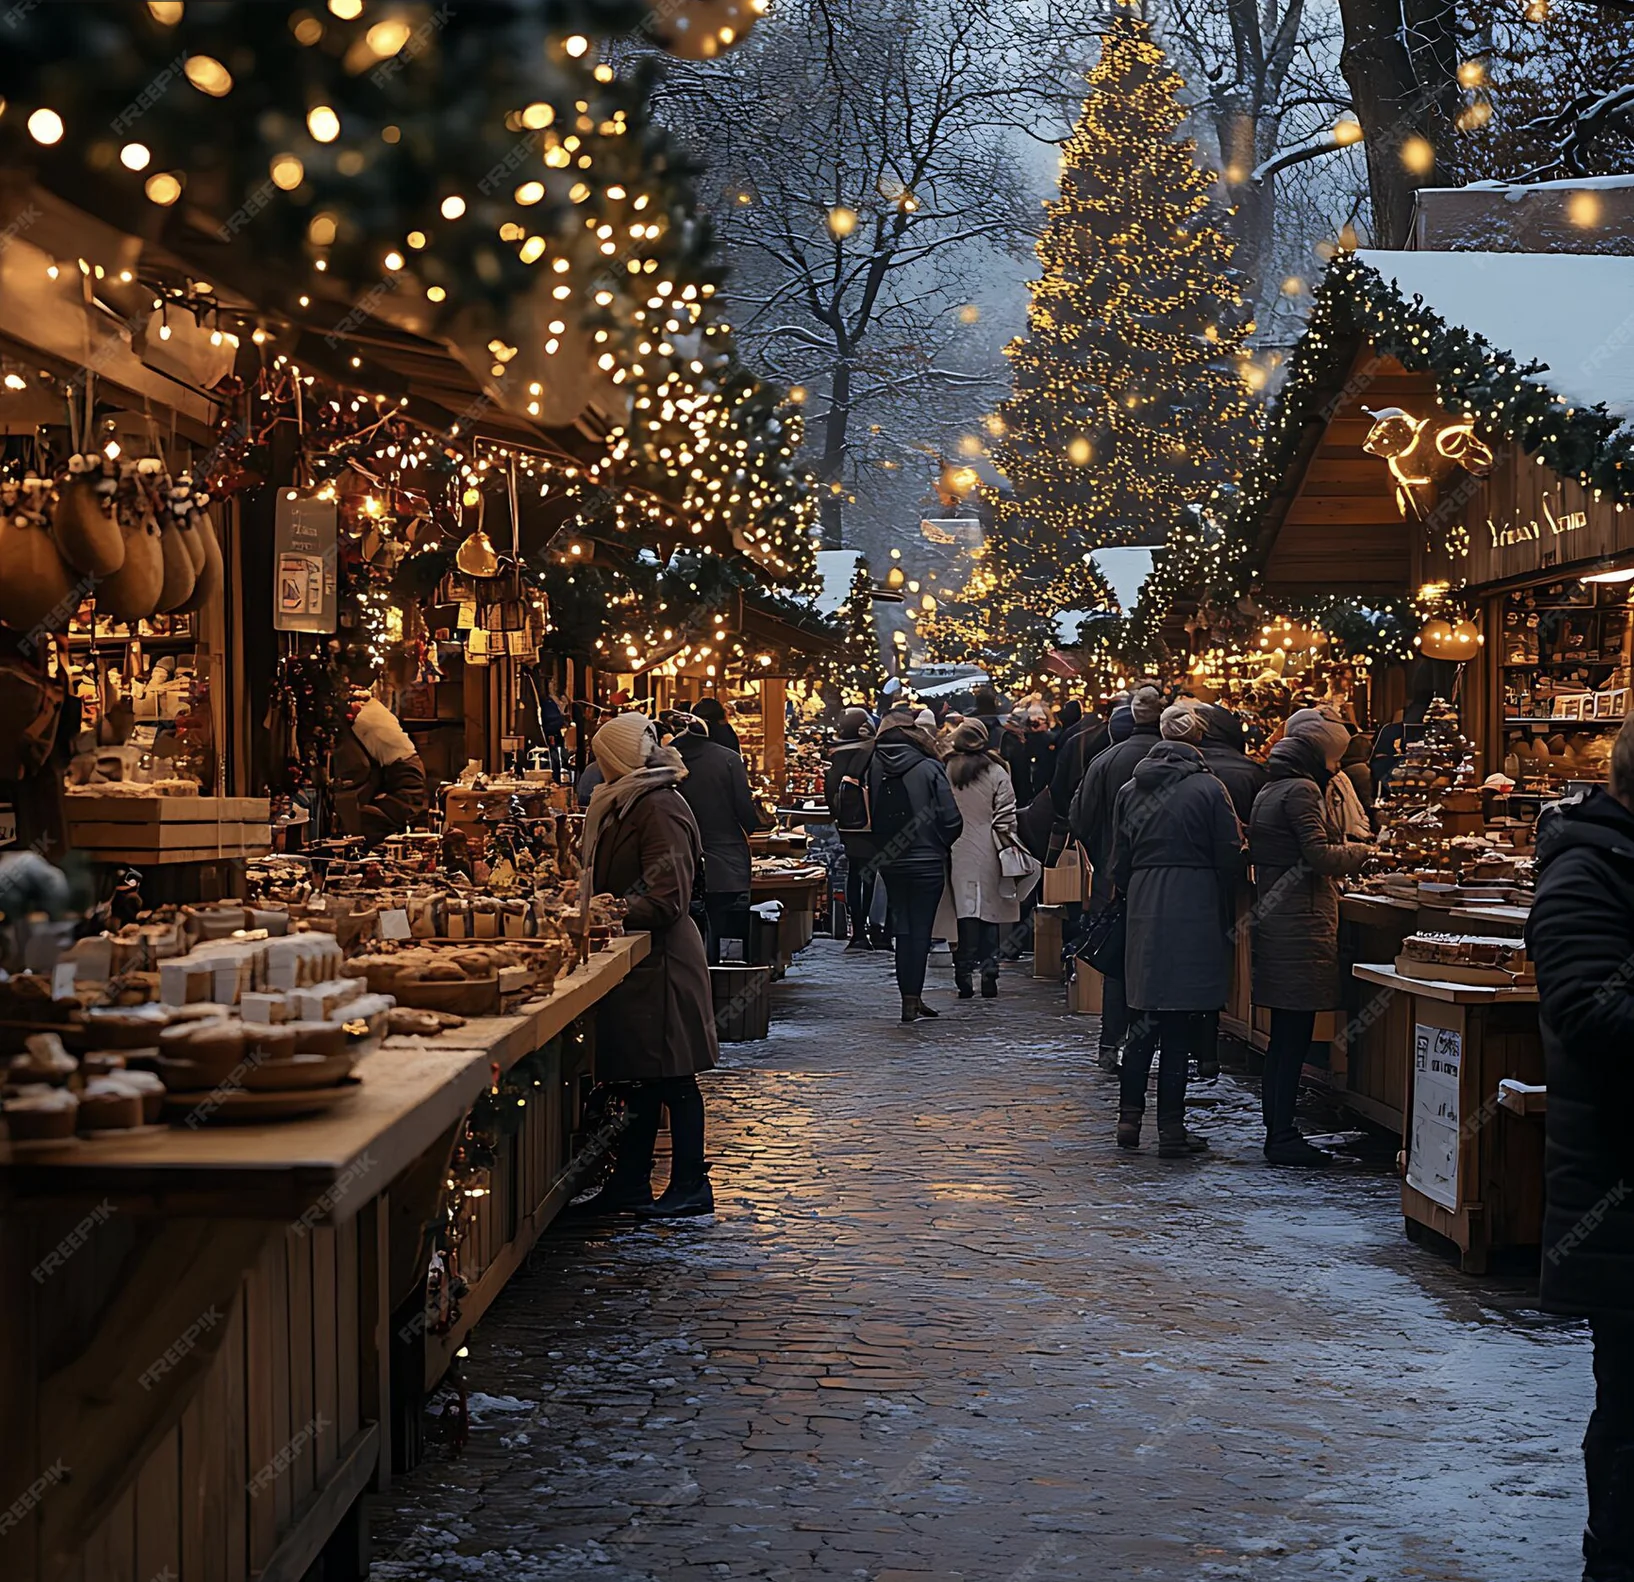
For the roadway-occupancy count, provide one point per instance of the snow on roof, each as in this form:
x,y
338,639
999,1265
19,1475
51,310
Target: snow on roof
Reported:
x,y
835,569
1573,312
1521,188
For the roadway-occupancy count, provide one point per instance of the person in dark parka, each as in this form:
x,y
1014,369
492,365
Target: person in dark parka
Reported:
x,y
1581,937
915,823
1225,751
716,788
709,710
1298,856
1090,820
1177,848
656,1029
849,757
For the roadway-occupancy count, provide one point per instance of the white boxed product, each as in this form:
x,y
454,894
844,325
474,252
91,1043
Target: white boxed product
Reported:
x,y
264,1006
183,980
320,1001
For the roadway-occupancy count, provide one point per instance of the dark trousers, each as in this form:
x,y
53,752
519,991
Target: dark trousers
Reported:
x,y
1205,1049
686,1130
728,919
978,947
859,892
914,898
1285,1053
1114,1014
1175,1031
1608,1455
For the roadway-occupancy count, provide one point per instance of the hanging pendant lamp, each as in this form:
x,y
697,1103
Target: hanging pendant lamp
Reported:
x,y
476,556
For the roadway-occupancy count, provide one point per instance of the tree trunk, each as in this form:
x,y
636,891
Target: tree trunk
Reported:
x,y
831,470
1243,144
1401,93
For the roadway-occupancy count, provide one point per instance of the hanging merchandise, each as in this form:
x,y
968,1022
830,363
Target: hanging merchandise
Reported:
x,y
35,585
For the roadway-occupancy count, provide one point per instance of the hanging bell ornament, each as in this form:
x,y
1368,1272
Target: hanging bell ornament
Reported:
x,y
477,557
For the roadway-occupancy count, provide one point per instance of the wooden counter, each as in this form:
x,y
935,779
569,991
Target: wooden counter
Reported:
x,y
1473,1167
801,894
216,1336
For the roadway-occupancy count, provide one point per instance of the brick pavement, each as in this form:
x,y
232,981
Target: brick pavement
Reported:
x,y
942,1327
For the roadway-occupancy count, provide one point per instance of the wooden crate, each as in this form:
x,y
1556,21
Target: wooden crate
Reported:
x,y
168,829
743,1002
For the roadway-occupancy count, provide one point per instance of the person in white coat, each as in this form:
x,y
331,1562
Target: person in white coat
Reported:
x,y
979,897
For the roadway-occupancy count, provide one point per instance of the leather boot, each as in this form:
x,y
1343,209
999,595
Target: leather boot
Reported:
x,y
1289,1148
1129,1128
621,1195
910,1007
684,1198
1173,1140
859,939
990,985
961,981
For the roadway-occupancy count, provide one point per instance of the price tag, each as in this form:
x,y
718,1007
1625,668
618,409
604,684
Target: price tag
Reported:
x,y
62,979
145,737
8,824
394,923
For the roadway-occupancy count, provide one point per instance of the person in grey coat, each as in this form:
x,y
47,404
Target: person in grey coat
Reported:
x,y
978,902
1298,856
915,822
1177,848
717,790
1090,820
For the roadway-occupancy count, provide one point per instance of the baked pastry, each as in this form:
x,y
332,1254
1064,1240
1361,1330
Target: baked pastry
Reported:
x,y
107,1104
44,1115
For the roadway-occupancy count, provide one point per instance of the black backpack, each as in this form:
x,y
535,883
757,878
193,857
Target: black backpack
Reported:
x,y
893,809
851,803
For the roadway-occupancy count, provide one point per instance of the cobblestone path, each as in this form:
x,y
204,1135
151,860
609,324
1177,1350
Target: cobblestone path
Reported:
x,y
941,1327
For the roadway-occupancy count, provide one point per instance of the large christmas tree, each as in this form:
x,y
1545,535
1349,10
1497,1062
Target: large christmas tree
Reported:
x,y
1127,401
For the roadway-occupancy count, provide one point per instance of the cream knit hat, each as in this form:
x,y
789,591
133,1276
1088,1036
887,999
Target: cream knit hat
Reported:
x,y
623,745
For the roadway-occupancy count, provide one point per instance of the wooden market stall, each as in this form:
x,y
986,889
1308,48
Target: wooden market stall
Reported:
x,y
221,1338
1449,432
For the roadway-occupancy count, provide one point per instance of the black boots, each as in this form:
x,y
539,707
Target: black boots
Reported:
x,y
990,985
858,940
1289,1148
913,1008
621,1195
685,1197
962,982
1129,1128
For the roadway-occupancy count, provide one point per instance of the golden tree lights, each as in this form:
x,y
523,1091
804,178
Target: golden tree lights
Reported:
x,y
1127,399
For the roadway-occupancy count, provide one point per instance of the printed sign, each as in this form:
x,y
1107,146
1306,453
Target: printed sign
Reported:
x,y
1432,1159
8,824
304,552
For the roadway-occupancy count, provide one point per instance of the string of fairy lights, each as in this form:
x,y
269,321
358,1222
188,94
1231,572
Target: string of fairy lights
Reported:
x,y
490,183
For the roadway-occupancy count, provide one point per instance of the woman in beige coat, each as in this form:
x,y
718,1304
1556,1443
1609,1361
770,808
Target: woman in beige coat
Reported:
x,y
656,1029
979,899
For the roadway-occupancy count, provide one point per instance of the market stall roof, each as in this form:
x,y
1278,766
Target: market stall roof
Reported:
x,y
1316,514
1567,311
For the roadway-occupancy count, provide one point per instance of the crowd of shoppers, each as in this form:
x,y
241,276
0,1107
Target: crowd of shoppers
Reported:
x,y
1171,815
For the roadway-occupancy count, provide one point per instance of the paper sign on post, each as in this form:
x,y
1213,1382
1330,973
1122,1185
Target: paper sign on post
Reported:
x,y
394,923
